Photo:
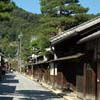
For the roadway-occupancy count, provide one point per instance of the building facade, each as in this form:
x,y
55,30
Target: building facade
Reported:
x,y
75,66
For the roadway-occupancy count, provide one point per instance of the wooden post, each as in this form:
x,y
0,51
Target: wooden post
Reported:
x,y
84,80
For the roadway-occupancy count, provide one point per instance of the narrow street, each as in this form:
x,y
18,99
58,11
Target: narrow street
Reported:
x,y
17,87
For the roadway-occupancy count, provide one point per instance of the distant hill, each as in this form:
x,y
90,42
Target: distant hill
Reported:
x,y
20,21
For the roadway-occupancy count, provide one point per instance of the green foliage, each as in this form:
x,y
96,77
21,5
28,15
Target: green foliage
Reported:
x,y
20,21
56,15
5,7
14,64
40,44
63,14
61,7
7,46
4,16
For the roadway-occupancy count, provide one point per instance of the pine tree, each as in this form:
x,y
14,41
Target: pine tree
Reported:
x,y
63,14
5,7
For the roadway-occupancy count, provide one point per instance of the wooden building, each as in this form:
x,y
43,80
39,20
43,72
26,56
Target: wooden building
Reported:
x,y
76,62
77,59
38,68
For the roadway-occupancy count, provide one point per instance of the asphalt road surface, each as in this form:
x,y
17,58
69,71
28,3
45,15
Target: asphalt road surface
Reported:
x,y
17,87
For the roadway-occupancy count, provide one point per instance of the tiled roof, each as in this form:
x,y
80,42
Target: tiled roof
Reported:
x,y
75,30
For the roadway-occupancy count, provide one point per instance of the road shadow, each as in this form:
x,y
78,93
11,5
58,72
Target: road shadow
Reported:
x,y
8,86
37,95
10,81
6,98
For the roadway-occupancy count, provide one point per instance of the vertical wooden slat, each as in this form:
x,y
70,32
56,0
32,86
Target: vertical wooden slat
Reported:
x,y
84,81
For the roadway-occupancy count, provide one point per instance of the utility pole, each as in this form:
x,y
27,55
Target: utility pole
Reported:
x,y
19,53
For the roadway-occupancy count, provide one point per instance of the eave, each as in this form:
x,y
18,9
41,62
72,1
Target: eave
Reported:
x,y
74,31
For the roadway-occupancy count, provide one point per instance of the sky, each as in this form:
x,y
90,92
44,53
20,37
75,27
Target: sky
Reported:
x,y
34,6
29,5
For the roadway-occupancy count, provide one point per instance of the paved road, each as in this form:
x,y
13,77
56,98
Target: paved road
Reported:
x,y
17,87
